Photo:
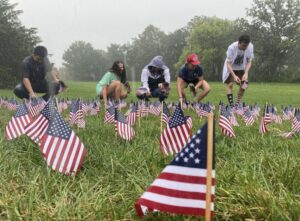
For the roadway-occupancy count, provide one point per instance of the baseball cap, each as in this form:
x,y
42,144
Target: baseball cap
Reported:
x,y
192,59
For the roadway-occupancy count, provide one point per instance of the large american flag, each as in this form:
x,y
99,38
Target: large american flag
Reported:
x,y
61,148
175,136
165,115
18,122
181,187
122,128
225,124
37,128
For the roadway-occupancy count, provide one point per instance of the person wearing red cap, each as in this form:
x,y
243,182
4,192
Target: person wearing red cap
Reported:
x,y
191,74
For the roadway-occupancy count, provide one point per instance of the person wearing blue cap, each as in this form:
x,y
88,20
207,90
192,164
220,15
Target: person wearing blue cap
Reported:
x,y
155,79
34,71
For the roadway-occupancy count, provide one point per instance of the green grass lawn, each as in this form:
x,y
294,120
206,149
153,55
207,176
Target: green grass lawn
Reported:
x,y
257,177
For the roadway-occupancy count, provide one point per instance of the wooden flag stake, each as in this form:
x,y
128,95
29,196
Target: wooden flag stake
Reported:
x,y
209,163
162,109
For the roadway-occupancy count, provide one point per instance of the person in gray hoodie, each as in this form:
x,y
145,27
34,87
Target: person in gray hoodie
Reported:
x,y
155,80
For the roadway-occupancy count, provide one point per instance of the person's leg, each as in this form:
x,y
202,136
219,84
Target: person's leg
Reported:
x,y
21,92
158,93
206,89
242,88
180,88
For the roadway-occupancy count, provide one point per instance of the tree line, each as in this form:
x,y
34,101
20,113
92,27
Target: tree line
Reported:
x,y
273,25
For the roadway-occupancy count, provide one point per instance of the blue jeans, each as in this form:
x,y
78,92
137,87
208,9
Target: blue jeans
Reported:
x,y
157,93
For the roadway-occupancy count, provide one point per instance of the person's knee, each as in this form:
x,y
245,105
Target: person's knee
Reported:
x,y
21,92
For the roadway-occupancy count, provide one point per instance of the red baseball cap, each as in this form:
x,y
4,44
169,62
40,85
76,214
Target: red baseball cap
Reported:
x,y
192,59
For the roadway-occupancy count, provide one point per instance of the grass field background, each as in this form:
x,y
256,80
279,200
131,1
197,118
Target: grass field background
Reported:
x,y
257,177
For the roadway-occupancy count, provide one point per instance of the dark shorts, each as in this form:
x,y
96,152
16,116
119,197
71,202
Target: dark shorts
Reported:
x,y
194,82
238,73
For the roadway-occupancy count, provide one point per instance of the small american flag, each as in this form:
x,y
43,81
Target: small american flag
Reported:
x,y
181,186
16,125
225,124
175,136
35,106
72,114
61,148
37,128
265,120
109,115
155,108
131,117
296,123
95,109
123,129
12,105
165,113
248,118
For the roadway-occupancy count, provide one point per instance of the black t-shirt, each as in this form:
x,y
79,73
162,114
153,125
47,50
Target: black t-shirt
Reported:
x,y
34,70
190,75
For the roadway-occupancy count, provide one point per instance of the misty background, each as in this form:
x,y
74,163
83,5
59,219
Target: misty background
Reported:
x,y
85,37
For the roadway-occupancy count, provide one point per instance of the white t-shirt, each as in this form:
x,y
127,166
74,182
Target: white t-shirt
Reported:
x,y
147,74
238,58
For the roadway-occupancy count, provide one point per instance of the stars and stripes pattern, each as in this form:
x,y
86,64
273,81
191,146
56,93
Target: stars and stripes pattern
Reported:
x,y
35,106
165,115
61,148
122,128
109,115
132,116
176,134
37,128
18,122
265,120
181,186
225,124
248,118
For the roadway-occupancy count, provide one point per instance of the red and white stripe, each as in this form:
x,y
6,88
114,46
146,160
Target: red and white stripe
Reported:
x,y
125,131
37,128
65,156
172,140
226,127
180,190
16,126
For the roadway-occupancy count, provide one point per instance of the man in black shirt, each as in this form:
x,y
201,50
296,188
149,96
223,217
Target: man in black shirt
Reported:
x,y
34,71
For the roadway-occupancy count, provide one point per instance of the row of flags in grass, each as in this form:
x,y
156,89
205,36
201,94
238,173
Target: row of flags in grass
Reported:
x,y
59,145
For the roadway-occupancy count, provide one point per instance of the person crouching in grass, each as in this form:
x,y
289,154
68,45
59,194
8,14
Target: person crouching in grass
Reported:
x,y
191,74
111,84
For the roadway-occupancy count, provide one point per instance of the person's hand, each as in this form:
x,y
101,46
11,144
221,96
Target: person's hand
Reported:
x,y
237,79
245,77
32,95
148,94
160,85
128,88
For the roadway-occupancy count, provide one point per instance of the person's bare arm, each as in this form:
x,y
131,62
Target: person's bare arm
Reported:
x,y
28,87
104,95
236,78
248,66
199,84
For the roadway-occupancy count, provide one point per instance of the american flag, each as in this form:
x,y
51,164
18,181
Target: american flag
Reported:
x,y
73,112
265,120
79,119
12,105
165,113
95,109
109,115
155,108
131,117
122,127
181,187
296,123
248,118
18,122
225,124
189,122
143,109
203,110
175,136
35,106
61,148
37,128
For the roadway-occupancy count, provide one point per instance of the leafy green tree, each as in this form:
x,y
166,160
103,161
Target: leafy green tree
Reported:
x,y
16,42
274,27
209,38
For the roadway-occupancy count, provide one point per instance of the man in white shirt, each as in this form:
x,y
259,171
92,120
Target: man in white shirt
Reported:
x,y
155,80
237,65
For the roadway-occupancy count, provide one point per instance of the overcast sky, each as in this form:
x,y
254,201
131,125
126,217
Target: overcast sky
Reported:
x,y
102,22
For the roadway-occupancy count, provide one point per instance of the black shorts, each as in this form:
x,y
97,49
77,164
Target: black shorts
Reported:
x,y
238,73
194,82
